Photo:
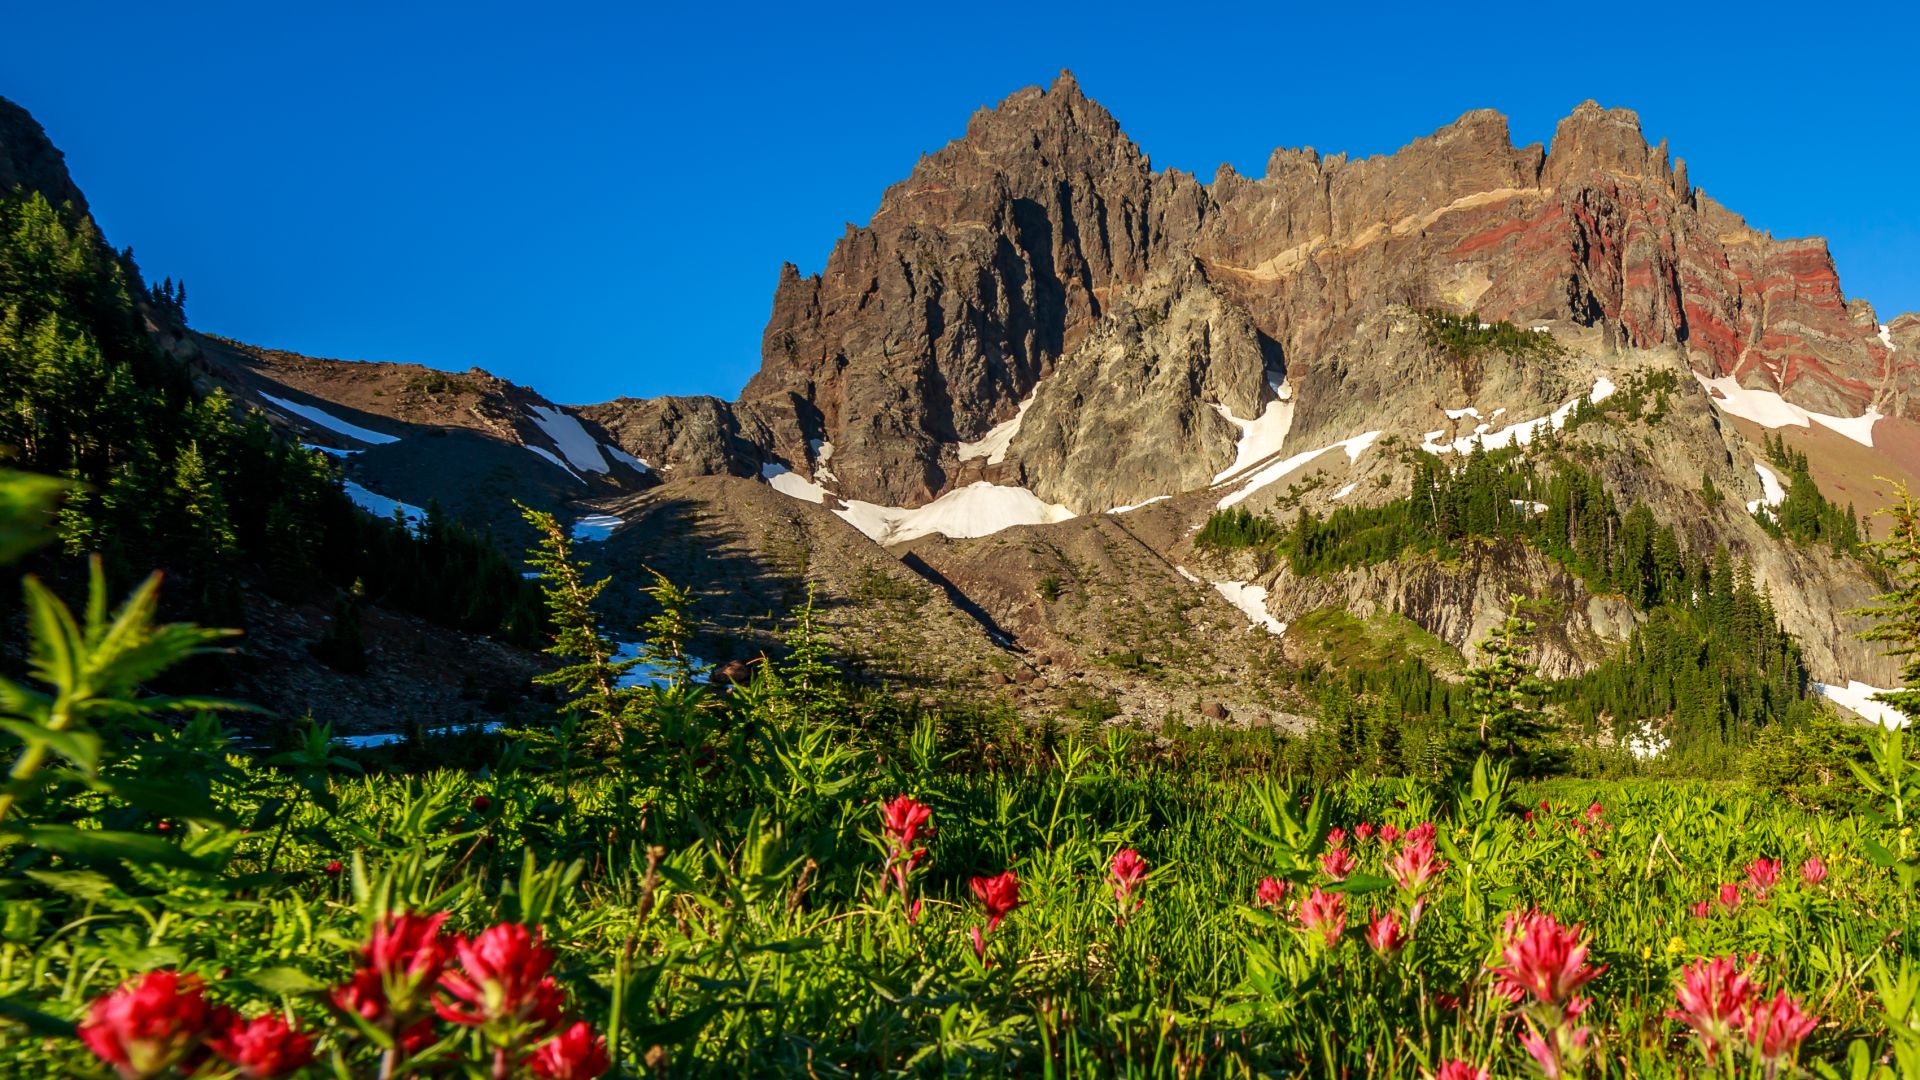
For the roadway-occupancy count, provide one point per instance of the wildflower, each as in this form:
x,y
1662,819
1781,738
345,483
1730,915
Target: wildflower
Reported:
x,y
1775,1029
1554,1051
1702,909
1545,959
1762,875
407,946
263,1047
1389,834
1813,871
148,1024
1270,892
1363,832
902,819
1384,933
1126,872
574,1054
999,895
1422,833
1447,1001
1337,838
1676,945
1459,1070
502,977
1729,896
1595,811
481,804
1713,996
1415,864
1324,913
333,868
1337,863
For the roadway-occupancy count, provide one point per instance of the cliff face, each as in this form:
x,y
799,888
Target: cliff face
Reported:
x,y
29,160
1000,253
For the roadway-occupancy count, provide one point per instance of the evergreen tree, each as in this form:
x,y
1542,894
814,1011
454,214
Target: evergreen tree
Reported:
x,y
1503,702
1896,613
592,672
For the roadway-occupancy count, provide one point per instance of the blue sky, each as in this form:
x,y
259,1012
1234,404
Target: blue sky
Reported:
x,y
596,199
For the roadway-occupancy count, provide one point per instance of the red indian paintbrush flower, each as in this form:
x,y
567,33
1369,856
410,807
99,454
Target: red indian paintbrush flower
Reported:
x,y
1459,1070
1762,875
1363,832
1729,896
999,895
1813,871
264,1047
1545,959
1337,838
1126,872
1324,913
1384,932
408,946
1775,1029
502,977
1701,909
1554,1050
1415,864
574,1054
148,1024
1422,833
902,819
1713,996
1270,892
1389,834
1337,863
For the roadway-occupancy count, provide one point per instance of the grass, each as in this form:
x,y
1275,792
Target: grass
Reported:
x,y
1347,641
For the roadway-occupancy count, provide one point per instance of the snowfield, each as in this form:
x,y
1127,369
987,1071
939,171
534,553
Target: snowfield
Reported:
x,y
787,482
993,445
1138,505
595,527
1522,433
1252,602
382,507
553,458
1768,409
1279,469
1262,436
1857,697
1771,493
618,454
652,674
330,451
979,509
579,448
331,422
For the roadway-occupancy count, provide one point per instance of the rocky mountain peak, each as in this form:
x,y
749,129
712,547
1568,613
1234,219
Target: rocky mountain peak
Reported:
x,y
28,159
1593,139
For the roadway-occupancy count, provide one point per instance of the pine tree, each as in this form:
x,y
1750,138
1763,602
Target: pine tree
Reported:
x,y
1503,704
1896,613
592,674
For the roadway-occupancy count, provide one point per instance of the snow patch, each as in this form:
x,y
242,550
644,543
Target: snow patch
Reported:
x,y
596,527
1768,409
1771,493
822,453
331,422
787,482
1138,505
1886,338
993,445
382,507
618,454
1529,506
1278,470
979,509
654,675
329,450
555,459
1261,437
1857,698
1455,414
1186,573
1346,491
572,440
1522,433
1649,743
1252,602
390,738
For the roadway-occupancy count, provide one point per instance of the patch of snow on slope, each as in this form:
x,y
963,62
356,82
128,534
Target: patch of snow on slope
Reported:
x,y
1346,491
1886,338
1252,602
618,454
993,445
1279,469
1261,437
1138,505
787,482
578,447
1186,573
1522,433
331,422
979,509
1768,409
391,738
555,458
1455,414
652,674
1528,506
330,451
822,453
1857,698
382,507
595,527
1649,742
1771,493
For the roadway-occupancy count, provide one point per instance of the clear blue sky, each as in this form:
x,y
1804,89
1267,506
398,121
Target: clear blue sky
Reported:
x,y
596,200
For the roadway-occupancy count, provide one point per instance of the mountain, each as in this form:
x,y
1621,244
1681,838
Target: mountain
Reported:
x,y
1001,431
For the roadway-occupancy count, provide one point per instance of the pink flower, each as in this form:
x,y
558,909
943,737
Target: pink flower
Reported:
x,y
1545,959
1713,996
1415,864
1422,833
1595,811
1270,892
1126,872
999,895
407,946
1762,875
902,819
1389,834
1337,838
1363,832
1729,896
1459,1070
1813,871
333,868
1324,913
1337,863
148,1024
1775,1029
502,977
1701,909
574,1054
264,1047
1384,932
1554,1050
